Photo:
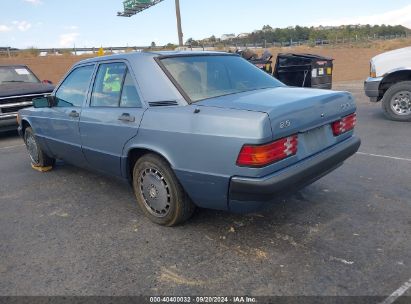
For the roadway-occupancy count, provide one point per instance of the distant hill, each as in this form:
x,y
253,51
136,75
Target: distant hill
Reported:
x,y
301,33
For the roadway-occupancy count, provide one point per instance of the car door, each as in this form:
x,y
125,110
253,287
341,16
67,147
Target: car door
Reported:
x,y
62,126
111,118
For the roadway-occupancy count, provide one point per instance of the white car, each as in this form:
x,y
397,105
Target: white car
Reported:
x,y
390,82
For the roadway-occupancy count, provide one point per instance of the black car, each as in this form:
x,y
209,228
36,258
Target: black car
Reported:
x,y
18,86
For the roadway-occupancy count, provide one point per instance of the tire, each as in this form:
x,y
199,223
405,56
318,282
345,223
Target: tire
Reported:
x,y
397,102
158,192
37,155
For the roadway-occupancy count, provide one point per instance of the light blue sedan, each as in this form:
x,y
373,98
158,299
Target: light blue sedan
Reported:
x,y
190,129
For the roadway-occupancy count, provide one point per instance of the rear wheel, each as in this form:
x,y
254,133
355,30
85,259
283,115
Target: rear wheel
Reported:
x,y
397,102
158,192
37,156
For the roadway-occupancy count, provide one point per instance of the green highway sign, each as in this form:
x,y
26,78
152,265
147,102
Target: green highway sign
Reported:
x,y
132,7
133,4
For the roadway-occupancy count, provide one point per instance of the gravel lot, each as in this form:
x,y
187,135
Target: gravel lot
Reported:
x,y
74,232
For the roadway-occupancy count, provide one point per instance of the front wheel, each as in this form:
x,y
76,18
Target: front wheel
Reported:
x,y
397,102
158,192
37,155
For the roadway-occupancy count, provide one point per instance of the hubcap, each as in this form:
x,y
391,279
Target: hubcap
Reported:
x,y
32,148
155,191
401,103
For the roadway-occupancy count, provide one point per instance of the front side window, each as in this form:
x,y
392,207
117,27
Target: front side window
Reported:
x,y
73,90
203,77
108,84
17,74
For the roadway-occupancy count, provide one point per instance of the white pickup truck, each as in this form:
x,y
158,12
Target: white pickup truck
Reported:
x,y
390,82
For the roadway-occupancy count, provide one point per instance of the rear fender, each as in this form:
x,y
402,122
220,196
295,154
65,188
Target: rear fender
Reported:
x,y
205,190
126,161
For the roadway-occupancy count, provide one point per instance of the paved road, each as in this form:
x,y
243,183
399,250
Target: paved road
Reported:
x,y
73,232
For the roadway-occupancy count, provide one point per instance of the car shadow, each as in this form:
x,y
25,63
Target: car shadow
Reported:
x,y
293,220
8,135
289,224
289,219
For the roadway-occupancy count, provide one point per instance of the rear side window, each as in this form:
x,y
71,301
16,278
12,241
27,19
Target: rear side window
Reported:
x,y
129,96
108,84
73,90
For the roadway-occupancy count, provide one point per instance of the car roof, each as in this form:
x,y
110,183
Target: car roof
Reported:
x,y
146,69
152,54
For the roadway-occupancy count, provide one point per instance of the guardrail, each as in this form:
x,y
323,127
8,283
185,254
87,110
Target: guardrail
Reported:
x,y
7,51
11,51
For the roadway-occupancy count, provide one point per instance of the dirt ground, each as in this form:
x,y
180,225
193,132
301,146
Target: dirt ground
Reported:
x,y
46,68
351,62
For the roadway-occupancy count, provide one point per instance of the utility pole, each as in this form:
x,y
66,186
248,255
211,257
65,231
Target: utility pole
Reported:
x,y
133,7
180,31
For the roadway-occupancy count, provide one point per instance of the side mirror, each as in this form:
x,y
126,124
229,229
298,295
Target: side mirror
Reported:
x,y
43,102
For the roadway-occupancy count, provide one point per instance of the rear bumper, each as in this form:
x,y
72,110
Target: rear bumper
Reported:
x,y
247,194
372,88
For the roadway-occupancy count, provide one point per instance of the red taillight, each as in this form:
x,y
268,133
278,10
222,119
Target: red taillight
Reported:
x,y
258,156
344,125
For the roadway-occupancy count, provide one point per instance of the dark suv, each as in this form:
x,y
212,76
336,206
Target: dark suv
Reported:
x,y
18,86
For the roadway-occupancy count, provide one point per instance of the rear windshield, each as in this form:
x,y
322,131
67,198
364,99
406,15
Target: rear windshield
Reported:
x,y
16,74
203,77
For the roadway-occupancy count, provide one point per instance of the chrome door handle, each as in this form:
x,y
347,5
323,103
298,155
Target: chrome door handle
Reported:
x,y
126,117
74,114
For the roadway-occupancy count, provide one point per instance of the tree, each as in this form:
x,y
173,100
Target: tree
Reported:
x,y
267,28
300,33
171,46
153,44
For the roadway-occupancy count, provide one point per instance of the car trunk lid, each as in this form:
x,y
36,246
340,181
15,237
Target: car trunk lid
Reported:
x,y
306,112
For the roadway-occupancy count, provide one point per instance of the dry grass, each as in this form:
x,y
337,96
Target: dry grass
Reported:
x,y
351,62
51,67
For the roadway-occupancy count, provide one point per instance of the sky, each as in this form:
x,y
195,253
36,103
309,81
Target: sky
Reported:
x,y
94,23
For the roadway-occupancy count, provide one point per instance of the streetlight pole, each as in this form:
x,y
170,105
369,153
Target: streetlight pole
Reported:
x,y
180,31
132,7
